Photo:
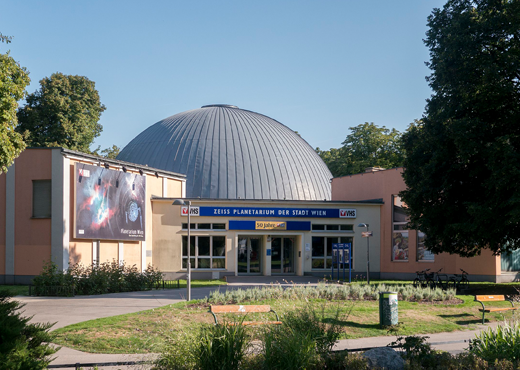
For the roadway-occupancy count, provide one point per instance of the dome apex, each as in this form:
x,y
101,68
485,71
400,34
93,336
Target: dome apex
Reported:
x,y
219,105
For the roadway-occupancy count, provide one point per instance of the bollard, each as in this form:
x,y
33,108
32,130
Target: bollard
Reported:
x,y
388,315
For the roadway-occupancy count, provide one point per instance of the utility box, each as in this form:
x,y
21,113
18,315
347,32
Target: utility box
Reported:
x,y
388,315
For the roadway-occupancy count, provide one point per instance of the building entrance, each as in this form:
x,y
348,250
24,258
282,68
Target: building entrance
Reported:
x,y
249,254
282,255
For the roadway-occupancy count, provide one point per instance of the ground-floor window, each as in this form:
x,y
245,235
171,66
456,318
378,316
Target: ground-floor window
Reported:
x,y
400,232
423,254
510,261
322,250
206,252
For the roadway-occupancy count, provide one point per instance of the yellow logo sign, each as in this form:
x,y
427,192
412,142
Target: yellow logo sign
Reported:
x,y
270,225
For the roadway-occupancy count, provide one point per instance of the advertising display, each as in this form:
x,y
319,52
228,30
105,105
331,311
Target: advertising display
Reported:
x,y
110,205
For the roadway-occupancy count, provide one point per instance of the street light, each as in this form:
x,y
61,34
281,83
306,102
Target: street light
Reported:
x,y
368,251
180,202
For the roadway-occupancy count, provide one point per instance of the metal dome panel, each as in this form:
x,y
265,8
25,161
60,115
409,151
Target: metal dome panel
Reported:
x,y
231,153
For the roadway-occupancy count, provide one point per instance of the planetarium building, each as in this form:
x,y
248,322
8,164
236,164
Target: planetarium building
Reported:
x,y
259,195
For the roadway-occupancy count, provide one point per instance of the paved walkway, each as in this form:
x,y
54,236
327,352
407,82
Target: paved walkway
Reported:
x,y
70,310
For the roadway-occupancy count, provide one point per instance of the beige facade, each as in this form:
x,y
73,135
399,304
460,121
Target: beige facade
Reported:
x,y
241,237
28,242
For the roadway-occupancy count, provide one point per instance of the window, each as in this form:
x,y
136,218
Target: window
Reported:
x,y
204,226
322,250
42,198
400,232
320,227
422,253
206,252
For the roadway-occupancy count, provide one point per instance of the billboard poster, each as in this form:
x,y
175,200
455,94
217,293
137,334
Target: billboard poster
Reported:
x,y
110,205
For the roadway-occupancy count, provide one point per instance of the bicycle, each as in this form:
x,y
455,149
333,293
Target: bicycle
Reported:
x,y
423,279
460,281
440,280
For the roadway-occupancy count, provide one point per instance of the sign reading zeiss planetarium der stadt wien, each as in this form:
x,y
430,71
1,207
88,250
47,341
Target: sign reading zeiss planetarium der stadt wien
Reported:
x,y
270,212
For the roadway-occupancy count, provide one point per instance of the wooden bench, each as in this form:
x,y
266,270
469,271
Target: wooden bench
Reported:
x,y
493,298
244,309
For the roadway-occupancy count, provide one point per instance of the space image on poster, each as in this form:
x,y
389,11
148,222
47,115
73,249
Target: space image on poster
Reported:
x,y
110,205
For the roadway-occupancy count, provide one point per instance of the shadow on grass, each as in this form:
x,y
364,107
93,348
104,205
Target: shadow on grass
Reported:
x,y
467,319
352,324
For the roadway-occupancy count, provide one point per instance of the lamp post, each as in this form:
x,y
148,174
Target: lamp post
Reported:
x,y
180,202
368,251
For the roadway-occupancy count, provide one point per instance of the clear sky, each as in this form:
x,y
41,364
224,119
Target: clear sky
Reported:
x,y
318,67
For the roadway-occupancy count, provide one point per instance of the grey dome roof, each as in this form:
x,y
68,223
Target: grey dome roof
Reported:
x,y
232,153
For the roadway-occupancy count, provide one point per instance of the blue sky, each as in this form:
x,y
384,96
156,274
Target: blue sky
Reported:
x,y
318,67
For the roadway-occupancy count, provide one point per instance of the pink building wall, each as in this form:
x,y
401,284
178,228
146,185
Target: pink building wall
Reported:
x,y
384,184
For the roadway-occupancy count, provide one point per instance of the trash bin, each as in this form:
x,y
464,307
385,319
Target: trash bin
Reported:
x,y
388,309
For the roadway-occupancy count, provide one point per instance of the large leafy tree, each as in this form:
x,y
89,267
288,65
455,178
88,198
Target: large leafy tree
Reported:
x,y
367,145
463,159
64,112
13,80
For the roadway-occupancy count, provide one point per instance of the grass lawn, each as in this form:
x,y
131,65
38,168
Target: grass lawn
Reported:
x,y
202,283
147,331
16,289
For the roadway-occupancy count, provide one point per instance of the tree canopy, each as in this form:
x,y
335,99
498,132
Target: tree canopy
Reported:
x,y
13,81
64,112
368,145
462,166
111,153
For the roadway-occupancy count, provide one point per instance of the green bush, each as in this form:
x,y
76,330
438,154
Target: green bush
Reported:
x,y
304,340
463,361
108,277
22,345
498,344
212,347
222,347
179,352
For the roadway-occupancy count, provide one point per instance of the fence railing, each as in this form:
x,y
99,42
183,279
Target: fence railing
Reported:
x,y
69,291
168,284
52,291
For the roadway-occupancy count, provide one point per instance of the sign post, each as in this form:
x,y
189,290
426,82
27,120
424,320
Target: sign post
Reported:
x,y
367,234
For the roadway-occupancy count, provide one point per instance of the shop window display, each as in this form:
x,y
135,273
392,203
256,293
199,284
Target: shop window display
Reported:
x,y
400,234
423,254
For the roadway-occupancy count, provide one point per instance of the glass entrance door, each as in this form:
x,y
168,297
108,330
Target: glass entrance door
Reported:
x,y
249,253
282,255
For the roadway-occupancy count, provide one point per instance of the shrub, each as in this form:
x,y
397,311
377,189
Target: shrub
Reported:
x,y
22,345
179,352
222,347
501,343
107,277
218,347
303,341
51,276
287,349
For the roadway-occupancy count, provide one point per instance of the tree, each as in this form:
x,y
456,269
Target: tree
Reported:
x,y
13,80
462,166
111,153
366,146
22,345
64,112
